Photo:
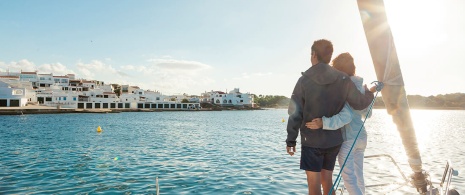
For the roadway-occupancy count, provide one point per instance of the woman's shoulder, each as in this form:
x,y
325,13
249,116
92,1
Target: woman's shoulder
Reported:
x,y
358,81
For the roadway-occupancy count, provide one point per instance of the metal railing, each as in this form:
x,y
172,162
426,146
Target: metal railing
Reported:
x,y
444,185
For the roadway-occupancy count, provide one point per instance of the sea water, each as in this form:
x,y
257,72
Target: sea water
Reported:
x,y
217,152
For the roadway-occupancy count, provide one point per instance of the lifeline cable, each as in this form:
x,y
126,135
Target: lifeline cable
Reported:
x,y
379,86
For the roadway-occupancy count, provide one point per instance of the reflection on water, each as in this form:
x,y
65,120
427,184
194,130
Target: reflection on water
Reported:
x,y
227,152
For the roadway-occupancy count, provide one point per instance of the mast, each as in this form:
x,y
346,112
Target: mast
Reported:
x,y
383,53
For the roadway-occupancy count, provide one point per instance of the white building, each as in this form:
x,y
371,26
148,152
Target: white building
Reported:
x,y
14,93
55,96
61,80
89,84
100,95
46,80
71,76
31,77
233,98
139,95
128,89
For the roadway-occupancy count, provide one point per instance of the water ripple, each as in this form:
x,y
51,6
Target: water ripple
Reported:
x,y
227,152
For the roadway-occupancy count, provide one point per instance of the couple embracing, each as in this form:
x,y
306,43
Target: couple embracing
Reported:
x,y
327,106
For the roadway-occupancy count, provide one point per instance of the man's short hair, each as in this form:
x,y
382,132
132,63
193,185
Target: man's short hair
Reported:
x,y
323,50
344,62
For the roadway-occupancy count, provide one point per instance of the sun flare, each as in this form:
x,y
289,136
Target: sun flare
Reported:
x,y
414,23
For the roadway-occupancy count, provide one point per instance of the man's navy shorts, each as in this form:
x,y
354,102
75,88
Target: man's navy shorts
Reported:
x,y
315,159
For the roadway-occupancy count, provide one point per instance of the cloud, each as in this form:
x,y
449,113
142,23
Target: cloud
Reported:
x,y
128,67
122,74
169,75
172,64
89,70
253,75
56,69
22,65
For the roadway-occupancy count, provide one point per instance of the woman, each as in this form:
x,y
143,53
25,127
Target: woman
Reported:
x,y
350,122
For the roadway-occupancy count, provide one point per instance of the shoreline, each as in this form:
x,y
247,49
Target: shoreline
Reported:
x,y
382,107
54,110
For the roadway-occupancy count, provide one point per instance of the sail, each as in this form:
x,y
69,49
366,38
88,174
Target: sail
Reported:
x,y
386,63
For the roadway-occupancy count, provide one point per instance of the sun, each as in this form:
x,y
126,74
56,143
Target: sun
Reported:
x,y
414,23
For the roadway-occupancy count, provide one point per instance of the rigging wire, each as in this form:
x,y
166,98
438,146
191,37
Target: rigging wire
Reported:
x,y
379,86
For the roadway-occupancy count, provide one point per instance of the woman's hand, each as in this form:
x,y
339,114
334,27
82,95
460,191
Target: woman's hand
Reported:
x,y
373,89
316,123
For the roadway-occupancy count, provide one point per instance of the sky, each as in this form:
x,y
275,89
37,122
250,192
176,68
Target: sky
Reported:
x,y
193,46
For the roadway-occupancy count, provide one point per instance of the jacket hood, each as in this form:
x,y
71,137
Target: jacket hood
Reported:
x,y
322,74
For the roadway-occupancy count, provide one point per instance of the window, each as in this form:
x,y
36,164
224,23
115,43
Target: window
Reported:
x,y
74,98
64,98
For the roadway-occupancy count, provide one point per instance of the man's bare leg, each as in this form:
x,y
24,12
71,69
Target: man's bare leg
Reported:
x,y
314,183
327,181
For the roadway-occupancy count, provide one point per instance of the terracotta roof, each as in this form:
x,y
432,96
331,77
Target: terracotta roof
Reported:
x,y
10,77
28,72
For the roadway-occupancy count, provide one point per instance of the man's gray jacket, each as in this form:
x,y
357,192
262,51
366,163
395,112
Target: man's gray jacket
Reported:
x,y
321,91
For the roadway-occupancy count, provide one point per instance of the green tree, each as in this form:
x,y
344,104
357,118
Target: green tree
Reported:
x,y
271,101
117,89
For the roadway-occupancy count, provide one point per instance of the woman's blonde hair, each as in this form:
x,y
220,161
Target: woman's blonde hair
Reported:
x,y
344,62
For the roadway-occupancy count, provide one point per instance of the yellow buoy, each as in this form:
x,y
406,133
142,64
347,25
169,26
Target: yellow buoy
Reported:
x,y
99,129
283,120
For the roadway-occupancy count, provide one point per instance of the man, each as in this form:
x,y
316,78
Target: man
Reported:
x,y
320,91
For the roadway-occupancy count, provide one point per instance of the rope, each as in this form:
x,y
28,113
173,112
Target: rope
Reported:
x,y
379,86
